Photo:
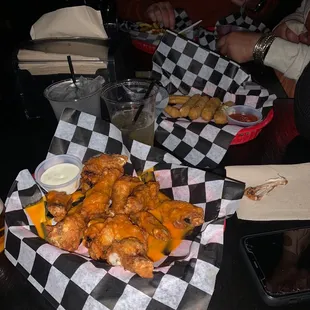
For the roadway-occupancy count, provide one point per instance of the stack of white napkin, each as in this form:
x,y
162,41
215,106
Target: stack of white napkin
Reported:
x,y
66,23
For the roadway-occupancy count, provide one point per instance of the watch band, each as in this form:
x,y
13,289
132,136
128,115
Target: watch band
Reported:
x,y
262,46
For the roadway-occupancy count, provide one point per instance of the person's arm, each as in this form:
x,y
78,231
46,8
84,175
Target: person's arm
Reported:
x,y
294,26
288,58
133,10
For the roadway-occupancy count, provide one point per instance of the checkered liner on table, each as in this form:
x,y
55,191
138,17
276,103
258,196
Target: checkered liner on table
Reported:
x,y
182,21
207,38
183,280
244,21
182,66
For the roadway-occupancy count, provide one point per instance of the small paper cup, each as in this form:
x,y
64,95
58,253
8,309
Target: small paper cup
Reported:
x,y
68,187
243,109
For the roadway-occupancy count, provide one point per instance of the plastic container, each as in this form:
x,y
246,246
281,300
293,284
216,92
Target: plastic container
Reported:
x,y
89,103
246,110
69,186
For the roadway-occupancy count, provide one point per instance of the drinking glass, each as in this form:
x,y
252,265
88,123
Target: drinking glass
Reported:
x,y
123,100
64,94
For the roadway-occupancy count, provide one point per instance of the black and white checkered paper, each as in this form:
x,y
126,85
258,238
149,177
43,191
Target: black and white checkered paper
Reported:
x,y
207,39
184,67
183,280
243,21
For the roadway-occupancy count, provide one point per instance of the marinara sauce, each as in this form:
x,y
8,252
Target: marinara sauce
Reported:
x,y
245,118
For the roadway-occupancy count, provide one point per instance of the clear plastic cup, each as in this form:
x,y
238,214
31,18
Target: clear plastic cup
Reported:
x,y
88,102
123,100
245,110
70,186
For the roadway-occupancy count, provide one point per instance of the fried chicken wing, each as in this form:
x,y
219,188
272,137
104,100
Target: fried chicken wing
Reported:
x,y
151,225
97,201
95,166
68,233
95,205
119,242
122,189
144,197
131,254
258,192
180,213
58,204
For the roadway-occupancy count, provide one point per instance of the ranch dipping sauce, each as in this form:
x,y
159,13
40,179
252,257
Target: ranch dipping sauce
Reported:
x,y
59,173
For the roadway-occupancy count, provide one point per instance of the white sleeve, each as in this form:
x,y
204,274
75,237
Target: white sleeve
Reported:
x,y
305,7
296,26
288,58
300,15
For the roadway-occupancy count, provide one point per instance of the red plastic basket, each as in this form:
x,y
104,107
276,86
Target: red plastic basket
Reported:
x,y
144,46
249,133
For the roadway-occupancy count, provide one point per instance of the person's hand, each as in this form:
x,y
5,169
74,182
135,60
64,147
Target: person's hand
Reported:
x,y
284,32
162,12
238,46
304,38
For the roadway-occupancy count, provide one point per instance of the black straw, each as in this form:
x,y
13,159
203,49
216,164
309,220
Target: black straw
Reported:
x,y
71,70
144,97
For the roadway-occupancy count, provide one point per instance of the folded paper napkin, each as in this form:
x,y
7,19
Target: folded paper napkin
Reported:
x,y
78,21
289,202
40,63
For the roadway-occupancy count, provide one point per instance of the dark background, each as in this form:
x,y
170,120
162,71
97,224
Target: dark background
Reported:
x,y
24,145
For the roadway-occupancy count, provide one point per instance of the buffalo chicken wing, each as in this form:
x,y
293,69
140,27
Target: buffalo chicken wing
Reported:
x,y
121,191
180,213
95,166
151,225
119,242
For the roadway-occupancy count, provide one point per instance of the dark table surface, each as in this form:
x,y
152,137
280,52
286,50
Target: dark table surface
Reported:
x,y
24,145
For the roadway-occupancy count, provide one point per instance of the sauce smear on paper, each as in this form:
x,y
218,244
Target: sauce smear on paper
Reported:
x,y
36,213
157,249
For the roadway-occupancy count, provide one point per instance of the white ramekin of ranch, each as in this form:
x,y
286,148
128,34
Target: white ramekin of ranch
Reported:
x,y
59,173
